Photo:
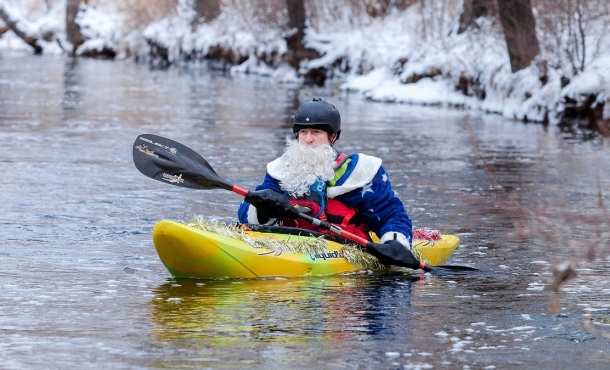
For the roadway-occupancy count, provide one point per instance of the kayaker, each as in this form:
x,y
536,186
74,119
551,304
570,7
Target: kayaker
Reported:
x,y
352,190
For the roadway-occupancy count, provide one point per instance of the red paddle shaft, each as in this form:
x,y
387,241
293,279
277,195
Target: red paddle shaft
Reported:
x,y
241,191
325,225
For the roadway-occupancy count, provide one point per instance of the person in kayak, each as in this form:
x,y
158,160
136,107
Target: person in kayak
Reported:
x,y
352,191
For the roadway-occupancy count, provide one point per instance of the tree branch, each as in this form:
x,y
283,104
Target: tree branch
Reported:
x,y
12,25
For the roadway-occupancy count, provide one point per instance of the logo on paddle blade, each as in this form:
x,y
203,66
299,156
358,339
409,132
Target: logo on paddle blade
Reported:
x,y
144,149
173,179
171,150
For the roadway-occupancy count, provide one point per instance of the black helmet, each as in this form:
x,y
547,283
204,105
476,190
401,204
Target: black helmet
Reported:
x,y
319,114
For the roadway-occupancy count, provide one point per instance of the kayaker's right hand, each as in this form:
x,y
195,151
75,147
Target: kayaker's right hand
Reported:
x,y
271,204
393,253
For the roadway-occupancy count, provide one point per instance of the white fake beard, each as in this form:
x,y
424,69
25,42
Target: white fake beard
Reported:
x,y
304,165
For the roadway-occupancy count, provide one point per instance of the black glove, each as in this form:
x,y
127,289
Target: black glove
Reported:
x,y
393,253
271,204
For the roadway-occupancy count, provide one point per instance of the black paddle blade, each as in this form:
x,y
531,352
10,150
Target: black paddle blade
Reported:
x,y
168,161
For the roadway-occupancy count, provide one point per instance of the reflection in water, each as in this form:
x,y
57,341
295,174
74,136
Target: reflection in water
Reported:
x,y
198,315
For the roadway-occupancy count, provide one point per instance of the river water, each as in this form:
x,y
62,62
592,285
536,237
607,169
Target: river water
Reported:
x,y
82,285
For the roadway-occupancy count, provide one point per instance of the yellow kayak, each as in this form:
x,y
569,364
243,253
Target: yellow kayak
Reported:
x,y
190,251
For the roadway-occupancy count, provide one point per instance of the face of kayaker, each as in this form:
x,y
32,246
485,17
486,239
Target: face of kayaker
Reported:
x,y
314,137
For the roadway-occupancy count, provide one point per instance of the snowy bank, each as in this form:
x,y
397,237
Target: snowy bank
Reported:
x,y
405,57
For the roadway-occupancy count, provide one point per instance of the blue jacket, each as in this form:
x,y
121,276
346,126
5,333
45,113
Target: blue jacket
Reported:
x,y
361,183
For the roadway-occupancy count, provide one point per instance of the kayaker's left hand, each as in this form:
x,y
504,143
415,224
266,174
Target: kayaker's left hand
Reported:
x,y
393,253
271,204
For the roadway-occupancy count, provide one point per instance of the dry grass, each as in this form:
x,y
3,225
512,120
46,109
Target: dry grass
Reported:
x,y
352,253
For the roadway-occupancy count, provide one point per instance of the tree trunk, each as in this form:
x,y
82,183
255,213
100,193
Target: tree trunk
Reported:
x,y
296,17
377,8
381,8
297,52
12,25
519,28
296,33
296,23
474,9
208,9
72,28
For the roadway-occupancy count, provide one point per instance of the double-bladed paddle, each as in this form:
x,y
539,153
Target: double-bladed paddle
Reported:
x,y
168,161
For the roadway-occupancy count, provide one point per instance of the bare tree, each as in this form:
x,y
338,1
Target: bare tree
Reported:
x,y
518,24
519,27
380,8
474,9
209,9
573,34
566,25
72,28
296,25
12,25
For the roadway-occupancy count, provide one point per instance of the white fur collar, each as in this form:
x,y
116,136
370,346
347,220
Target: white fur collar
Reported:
x,y
274,168
363,173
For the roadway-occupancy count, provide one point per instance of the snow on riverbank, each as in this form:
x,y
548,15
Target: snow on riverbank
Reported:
x,y
394,59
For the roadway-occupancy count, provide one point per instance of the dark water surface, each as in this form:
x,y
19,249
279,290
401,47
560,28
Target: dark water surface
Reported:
x,y
82,285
